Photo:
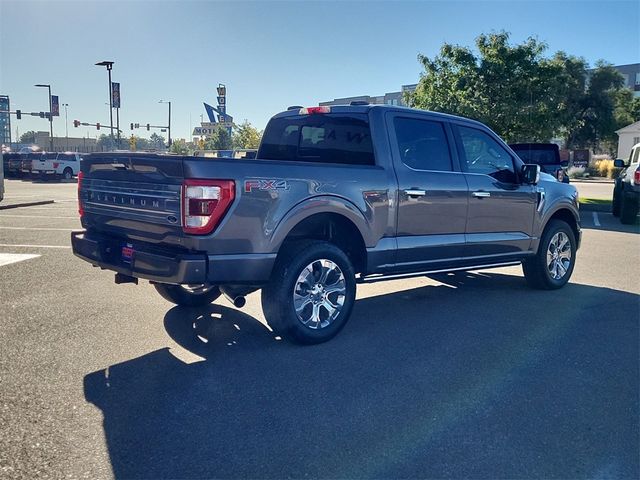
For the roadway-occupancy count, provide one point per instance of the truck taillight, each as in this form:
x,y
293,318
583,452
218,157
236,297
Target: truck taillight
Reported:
x,y
636,177
204,204
80,209
314,110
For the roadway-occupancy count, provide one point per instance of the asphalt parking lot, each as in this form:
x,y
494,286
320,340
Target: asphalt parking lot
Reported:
x,y
469,375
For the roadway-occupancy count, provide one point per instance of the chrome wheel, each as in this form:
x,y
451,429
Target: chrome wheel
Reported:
x,y
559,255
319,294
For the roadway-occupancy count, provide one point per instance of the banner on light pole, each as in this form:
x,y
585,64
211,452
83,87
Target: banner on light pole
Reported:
x,y
115,94
55,106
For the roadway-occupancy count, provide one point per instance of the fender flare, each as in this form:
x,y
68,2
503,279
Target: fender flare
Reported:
x,y
317,205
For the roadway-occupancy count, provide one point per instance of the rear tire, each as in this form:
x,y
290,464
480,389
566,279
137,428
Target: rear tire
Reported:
x,y
311,292
188,296
553,265
628,210
67,174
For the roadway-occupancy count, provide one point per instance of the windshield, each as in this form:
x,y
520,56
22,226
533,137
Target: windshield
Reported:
x,y
540,156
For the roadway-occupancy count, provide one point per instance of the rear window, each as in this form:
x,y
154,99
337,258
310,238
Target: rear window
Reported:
x,y
537,155
326,138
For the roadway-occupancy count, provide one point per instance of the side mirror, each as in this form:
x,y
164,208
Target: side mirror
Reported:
x,y
531,173
619,163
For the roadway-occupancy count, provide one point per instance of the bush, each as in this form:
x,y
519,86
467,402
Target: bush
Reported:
x,y
577,172
605,168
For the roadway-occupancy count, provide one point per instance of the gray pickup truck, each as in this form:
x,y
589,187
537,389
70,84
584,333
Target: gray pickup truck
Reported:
x,y
337,196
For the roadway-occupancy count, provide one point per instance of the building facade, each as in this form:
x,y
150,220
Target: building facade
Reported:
x,y
391,98
627,138
5,120
63,144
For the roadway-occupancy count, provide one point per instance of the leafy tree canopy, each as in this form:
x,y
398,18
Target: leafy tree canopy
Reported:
x,y
522,94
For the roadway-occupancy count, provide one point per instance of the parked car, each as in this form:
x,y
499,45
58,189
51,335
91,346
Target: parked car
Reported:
x,y
626,190
57,165
547,155
28,160
11,162
337,196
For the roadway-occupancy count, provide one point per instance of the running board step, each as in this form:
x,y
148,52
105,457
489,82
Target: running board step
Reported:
x,y
380,277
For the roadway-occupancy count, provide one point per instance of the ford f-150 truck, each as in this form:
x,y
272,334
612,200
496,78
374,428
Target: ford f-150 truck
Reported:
x,y
337,196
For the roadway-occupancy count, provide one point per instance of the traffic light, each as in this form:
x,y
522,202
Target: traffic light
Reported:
x,y
148,127
97,126
132,126
76,123
18,114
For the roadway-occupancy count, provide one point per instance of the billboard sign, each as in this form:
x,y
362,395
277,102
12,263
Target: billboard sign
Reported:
x,y
55,106
115,94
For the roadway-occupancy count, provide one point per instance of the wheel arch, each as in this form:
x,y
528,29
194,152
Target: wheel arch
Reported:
x,y
329,219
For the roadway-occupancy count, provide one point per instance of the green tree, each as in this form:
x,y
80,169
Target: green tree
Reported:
x,y
219,139
28,137
106,143
156,141
179,146
513,89
246,136
596,118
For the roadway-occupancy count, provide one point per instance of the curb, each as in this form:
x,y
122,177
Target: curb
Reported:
x,y
28,204
576,180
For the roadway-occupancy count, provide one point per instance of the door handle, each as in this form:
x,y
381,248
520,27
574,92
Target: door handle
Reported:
x,y
415,193
481,194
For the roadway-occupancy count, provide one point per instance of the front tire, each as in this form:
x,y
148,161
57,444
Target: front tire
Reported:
x,y
188,295
615,203
311,292
628,210
553,265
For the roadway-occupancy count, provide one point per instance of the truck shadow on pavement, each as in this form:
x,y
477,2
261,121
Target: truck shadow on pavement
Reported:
x,y
476,377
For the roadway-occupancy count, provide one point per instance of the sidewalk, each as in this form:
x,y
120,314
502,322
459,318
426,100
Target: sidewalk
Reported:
x,y
592,180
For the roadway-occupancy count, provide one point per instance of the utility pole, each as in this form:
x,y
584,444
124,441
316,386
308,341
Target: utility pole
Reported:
x,y
66,124
169,125
50,115
109,66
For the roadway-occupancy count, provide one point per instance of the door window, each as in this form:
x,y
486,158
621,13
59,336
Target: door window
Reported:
x,y
481,154
423,144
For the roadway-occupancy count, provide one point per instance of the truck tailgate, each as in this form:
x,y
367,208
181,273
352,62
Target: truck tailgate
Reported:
x,y
134,196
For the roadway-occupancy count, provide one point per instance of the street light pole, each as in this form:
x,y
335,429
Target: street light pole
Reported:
x,y
169,125
66,124
109,66
50,115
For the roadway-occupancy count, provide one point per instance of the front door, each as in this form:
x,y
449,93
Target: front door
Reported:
x,y
501,207
432,193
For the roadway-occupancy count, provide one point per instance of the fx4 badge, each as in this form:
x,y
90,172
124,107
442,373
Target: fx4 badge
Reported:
x,y
251,185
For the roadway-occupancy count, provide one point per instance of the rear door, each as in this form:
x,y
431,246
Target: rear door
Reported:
x,y
501,208
432,192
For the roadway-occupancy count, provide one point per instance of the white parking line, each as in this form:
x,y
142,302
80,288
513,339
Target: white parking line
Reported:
x,y
9,258
33,246
40,228
36,216
596,220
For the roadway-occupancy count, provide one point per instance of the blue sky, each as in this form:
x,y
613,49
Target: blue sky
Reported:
x,y
269,54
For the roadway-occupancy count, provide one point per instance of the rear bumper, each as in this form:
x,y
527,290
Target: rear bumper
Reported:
x,y
171,266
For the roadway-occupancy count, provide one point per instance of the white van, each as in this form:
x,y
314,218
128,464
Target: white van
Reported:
x,y
65,165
